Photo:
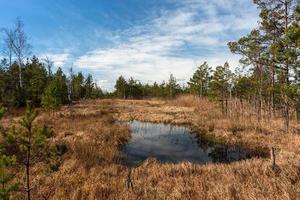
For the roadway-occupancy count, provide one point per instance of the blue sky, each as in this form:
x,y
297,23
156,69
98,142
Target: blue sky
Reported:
x,y
146,39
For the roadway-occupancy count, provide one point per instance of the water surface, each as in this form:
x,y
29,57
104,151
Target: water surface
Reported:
x,y
172,143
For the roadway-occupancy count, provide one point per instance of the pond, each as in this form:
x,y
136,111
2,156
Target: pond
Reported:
x,y
172,143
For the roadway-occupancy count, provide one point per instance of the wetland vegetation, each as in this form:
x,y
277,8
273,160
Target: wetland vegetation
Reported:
x,y
225,134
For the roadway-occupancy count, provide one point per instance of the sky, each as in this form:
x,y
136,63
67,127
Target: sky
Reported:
x,y
145,39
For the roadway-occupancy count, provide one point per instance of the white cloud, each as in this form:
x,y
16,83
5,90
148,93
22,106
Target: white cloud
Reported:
x,y
162,46
59,59
103,84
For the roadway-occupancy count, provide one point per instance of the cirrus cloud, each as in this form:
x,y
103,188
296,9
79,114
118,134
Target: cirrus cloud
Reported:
x,y
173,41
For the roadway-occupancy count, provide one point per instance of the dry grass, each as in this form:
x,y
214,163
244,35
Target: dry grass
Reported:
x,y
91,169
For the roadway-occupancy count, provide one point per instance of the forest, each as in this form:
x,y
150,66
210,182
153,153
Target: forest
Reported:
x,y
61,136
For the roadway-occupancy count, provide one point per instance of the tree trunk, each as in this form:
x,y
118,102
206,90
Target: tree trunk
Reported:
x,y
285,97
260,92
226,106
230,103
28,189
20,73
272,94
286,114
21,89
10,57
201,89
222,101
28,173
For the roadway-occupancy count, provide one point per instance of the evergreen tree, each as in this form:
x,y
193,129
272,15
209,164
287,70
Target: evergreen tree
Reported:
x,y
155,90
9,84
56,93
88,86
253,52
6,161
31,141
61,82
172,86
244,88
221,85
78,90
199,83
272,50
6,177
121,87
52,97
96,92
134,89
35,79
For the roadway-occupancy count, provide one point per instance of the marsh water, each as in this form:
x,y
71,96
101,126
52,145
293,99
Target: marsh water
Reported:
x,y
172,143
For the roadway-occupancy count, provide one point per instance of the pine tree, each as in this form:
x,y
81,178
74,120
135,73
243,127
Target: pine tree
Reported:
x,y
52,97
6,161
35,79
199,83
221,85
96,92
253,52
31,141
10,85
172,86
61,82
121,87
88,86
272,50
78,90
6,177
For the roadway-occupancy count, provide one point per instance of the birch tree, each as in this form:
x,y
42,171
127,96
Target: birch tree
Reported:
x,y
20,46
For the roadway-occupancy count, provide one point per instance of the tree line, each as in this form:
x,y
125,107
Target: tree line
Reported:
x,y
32,82
23,79
272,53
270,57
134,89
270,84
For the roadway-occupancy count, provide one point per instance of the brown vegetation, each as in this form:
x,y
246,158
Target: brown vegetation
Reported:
x,y
91,169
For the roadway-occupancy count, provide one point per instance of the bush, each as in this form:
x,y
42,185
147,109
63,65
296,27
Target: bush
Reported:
x,y
58,150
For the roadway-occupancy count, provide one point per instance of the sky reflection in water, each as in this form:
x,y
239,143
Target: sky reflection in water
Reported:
x,y
171,143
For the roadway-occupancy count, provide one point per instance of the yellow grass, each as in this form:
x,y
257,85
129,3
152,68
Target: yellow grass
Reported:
x,y
91,169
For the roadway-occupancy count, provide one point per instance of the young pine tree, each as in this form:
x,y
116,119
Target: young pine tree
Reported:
x,y
31,141
6,161
6,187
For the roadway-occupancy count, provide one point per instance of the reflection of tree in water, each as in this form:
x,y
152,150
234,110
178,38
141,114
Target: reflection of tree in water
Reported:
x,y
226,154
176,143
205,144
219,154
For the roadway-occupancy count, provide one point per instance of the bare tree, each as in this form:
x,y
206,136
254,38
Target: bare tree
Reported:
x,y
20,46
70,84
8,44
49,65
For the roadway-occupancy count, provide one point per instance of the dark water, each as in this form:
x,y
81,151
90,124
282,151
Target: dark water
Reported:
x,y
170,143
